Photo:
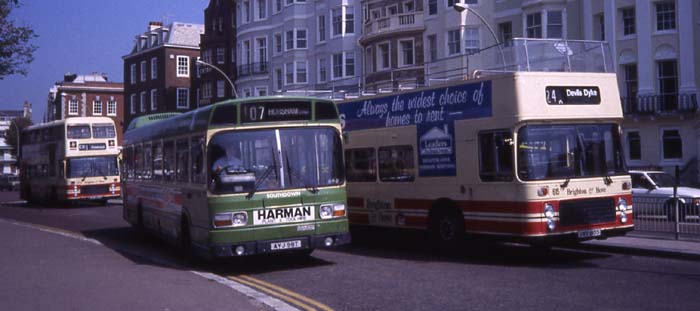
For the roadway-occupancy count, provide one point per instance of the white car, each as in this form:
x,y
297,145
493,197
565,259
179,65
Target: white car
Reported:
x,y
652,194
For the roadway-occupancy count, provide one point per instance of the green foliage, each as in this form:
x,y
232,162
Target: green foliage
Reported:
x,y
11,133
16,51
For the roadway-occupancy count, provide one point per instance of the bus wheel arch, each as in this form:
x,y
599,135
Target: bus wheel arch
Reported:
x,y
446,224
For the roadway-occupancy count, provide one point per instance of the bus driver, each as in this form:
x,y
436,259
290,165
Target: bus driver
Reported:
x,y
228,160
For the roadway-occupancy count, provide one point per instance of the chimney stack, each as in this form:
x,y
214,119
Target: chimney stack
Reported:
x,y
154,25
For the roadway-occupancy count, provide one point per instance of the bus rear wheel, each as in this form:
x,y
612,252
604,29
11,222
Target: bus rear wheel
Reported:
x,y
447,229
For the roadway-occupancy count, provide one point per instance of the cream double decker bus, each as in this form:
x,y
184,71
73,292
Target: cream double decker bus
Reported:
x,y
70,160
238,178
530,153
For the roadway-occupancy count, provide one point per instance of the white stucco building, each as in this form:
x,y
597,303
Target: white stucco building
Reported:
x,y
297,46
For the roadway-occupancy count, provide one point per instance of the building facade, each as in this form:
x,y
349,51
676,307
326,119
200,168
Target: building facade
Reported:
x,y
85,96
655,46
298,47
8,163
160,69
218,48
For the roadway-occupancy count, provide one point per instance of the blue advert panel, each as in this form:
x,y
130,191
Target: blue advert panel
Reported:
x,y
436,149
432,111
442,105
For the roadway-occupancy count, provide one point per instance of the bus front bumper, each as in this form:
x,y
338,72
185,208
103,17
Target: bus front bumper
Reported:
x,y
294,244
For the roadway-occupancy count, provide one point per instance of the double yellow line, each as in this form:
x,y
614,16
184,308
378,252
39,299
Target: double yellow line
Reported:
x,y
283,294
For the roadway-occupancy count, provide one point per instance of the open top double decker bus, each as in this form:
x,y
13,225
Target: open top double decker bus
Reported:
x,y
532,153
240,177
70,160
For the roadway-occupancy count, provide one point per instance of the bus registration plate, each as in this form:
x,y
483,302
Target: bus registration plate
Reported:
x,y
285,245
585,234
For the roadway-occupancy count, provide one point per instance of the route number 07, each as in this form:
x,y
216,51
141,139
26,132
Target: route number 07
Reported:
x,y
253,113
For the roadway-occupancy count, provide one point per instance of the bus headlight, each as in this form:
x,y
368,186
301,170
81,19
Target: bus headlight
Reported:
x,y
548,211
326,211
622,205
239,219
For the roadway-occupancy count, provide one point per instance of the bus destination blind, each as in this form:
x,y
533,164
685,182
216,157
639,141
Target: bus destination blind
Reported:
x,y
275,111
572,95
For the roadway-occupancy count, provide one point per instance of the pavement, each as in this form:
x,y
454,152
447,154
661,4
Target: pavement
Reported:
x,y
648,244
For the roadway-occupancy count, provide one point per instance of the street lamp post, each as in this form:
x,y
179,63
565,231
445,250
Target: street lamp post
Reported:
x,y
461,7
233,88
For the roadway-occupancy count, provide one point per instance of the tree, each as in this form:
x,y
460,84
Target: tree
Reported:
x,y
11,133
16,51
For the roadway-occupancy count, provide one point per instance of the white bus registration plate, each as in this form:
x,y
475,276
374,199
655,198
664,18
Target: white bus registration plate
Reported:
x,y
285,245
584,234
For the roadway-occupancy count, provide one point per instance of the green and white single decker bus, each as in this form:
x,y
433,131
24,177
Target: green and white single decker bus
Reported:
x,y
240,177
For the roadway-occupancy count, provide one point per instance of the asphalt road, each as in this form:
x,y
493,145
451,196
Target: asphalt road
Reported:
x,y
381,270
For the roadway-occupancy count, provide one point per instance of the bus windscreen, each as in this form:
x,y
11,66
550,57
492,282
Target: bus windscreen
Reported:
x,y
79,131
569,151
101,166
260,160
103,130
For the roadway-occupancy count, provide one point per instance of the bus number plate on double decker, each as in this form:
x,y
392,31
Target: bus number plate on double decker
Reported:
x,y
584,234
283,215
276,246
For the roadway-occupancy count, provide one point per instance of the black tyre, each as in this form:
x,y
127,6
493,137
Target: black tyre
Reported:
x,y
447,228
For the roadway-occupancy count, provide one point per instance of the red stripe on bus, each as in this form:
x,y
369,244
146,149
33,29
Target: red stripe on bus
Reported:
x,y
533,228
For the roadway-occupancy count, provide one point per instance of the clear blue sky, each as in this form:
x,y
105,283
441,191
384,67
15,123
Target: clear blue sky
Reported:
x,y
84,36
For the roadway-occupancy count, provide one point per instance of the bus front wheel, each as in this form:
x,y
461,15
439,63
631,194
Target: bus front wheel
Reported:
x,y
447,228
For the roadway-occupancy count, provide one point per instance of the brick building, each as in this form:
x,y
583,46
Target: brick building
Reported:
x,y
85,96
218,48
160,69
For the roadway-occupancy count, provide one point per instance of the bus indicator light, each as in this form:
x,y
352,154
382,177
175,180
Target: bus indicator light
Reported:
x,y
338,210
223,220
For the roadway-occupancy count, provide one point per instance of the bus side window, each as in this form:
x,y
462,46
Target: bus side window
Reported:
x,y
197,156
158,160
183,161
138,162
361,164
147,162
127,168
169,160
396,164
496,156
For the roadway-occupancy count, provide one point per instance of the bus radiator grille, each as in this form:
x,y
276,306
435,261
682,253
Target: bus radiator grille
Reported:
x,y
586,212
96,189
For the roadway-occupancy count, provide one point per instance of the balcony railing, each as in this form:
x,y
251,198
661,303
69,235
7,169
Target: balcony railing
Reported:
x,y
685,103
393,23
253,69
